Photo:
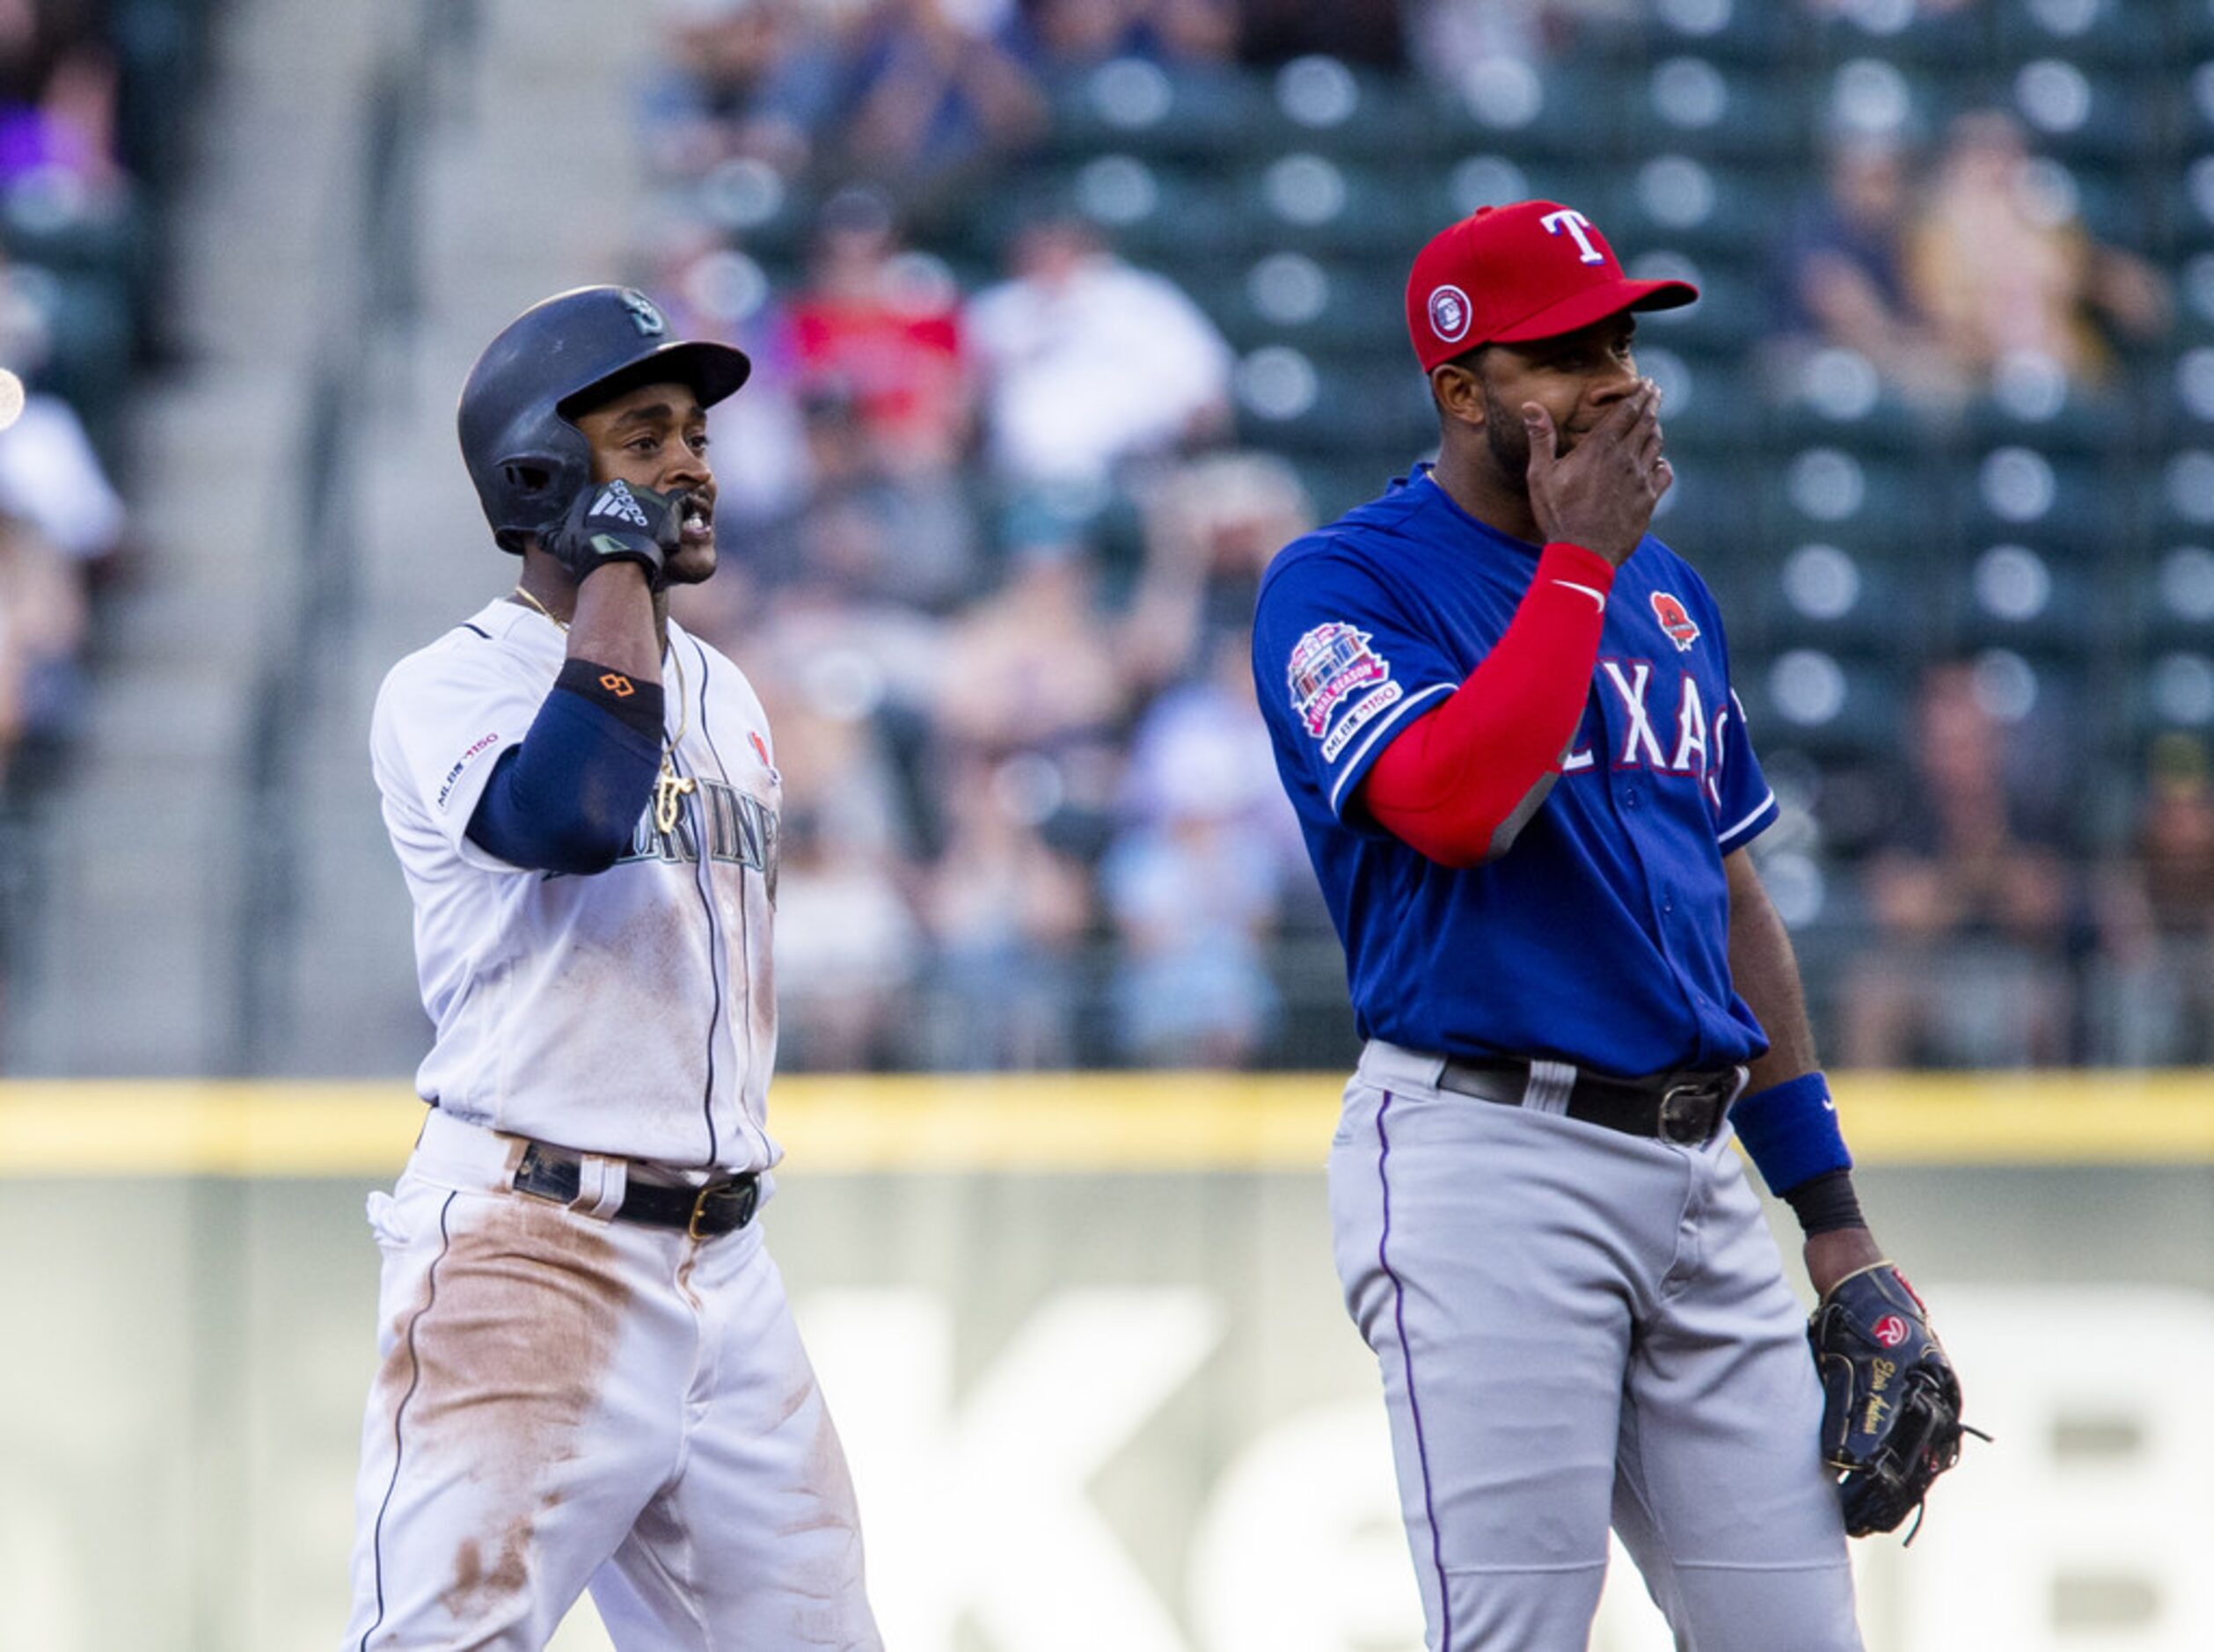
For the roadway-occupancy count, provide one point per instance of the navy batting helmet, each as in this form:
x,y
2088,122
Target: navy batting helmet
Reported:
x,y
559,358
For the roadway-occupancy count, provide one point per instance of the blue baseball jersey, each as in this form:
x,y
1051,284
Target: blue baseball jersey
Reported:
x,y
1601,935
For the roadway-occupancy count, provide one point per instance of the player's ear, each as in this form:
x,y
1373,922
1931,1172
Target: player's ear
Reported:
x,y
1457,388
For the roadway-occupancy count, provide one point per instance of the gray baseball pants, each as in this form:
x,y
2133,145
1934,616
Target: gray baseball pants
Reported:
x,y
1578,1327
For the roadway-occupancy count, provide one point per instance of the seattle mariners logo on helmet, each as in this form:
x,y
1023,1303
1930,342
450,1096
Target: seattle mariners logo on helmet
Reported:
x,y
1681,629
644,315
1449,312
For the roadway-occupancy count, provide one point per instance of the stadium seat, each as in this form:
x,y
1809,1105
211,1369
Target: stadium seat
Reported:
x,y
1831,707
2120,34
1756,33
1832,596
1328,107
1559,111
1692,104
2030,599
1329,307
1930,41
1732,311
2088,113
2171,595
1883,503
2035,405
1156,112
1840,403
2172,689
1709,401
1292,403
1710,213
2016,491
1312,202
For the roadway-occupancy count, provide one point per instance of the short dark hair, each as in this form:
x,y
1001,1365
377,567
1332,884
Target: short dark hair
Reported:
x,y
1468,360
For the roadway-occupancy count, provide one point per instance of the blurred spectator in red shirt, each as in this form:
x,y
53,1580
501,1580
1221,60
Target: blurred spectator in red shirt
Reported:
x,y
879,327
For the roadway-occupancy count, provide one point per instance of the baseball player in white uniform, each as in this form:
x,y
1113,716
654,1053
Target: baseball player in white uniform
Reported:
x,y
588,1374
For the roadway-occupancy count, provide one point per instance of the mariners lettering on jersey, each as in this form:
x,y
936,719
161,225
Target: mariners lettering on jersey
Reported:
x,y
741,832
1688,744
1334,676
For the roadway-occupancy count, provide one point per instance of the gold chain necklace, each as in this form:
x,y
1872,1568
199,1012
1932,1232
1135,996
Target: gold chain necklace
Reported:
x,y
670,788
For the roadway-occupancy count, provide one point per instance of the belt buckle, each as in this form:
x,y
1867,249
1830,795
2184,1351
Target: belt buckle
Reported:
x,y
747,1193
699,1209
1687,1113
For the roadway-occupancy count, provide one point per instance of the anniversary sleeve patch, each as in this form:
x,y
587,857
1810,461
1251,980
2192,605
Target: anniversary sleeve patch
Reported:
x,y
1338,684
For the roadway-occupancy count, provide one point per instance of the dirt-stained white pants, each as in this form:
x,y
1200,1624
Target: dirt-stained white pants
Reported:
x,y
1577,1327
564,1402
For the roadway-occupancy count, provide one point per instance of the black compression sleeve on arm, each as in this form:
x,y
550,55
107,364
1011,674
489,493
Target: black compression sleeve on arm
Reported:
x,y
568,798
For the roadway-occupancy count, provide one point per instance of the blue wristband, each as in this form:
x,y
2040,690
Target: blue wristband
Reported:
x,y
1790,1130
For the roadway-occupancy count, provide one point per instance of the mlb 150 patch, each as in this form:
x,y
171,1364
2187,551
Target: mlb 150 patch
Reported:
x,y
1335,676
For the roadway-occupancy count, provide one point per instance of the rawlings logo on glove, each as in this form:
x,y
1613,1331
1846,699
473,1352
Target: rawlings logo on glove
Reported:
x,y
1891,1412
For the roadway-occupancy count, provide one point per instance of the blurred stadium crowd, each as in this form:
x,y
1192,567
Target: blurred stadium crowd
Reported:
x,y
1067,313
90,97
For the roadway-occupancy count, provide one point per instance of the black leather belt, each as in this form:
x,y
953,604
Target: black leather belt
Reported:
x,y
718,1207
1683,1107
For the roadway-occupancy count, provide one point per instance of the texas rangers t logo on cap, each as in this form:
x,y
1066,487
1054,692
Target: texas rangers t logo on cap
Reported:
x,y
1575,223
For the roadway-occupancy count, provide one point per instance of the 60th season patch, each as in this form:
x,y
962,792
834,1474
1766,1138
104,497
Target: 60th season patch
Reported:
x,y
1335,677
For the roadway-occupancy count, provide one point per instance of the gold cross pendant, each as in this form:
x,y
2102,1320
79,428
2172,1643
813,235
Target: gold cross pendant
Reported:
x,y
668,789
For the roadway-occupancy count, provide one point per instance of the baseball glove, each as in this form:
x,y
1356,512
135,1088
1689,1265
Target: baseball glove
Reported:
x,y
1892,1413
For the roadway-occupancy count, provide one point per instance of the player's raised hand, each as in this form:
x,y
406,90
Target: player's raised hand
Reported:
x,y
1600,494
619,522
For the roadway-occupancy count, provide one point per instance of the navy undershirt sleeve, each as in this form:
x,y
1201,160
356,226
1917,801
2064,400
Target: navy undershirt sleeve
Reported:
x,y
568,797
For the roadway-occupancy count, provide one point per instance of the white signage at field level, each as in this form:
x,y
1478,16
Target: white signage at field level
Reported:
x,y
2094,1505
2085,1528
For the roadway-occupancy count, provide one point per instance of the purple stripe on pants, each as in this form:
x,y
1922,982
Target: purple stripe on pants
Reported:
x,y
1407,1360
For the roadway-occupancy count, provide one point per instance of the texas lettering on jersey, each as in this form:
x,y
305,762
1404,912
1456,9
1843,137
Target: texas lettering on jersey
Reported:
x,y
1686,743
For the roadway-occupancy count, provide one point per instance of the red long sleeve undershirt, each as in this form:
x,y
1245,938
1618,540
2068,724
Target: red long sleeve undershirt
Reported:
x,y
1452,782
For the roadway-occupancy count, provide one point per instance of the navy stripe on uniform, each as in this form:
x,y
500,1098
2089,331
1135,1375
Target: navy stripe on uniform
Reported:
x,y
377,1538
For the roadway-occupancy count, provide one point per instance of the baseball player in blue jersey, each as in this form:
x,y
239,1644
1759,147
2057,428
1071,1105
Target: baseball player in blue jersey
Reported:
x,y
588,1374
1503,710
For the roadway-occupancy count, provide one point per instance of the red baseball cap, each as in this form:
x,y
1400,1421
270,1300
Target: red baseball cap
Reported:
x,y
1507,274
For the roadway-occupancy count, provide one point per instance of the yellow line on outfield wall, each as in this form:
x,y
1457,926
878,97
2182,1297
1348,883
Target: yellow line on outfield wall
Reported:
x,y
1053,1123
